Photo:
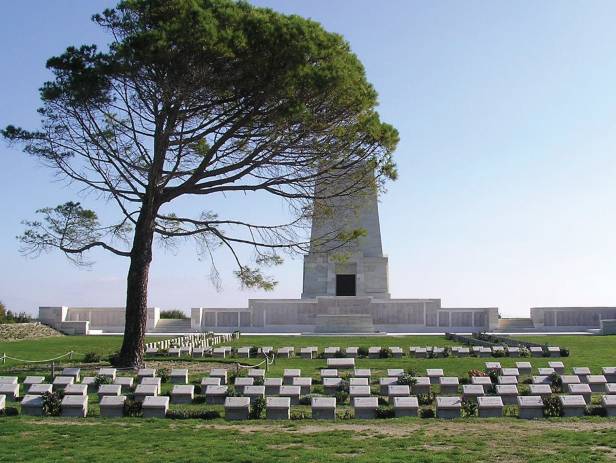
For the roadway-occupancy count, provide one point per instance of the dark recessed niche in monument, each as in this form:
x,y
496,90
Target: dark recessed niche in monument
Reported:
x,y
345,285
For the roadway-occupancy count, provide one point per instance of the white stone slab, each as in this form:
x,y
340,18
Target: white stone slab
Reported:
x,y
32,405
215,395
365,407
219,373
570,379
541,379
341,363
76,389
507,380
530,401
40,389
256,373
145,390
540,389
111,372
125,382
155,406
30,380
75,406
60,382
362,373
146,373
510,372
112,406
359,391
152,382
359,382
11,391
74,372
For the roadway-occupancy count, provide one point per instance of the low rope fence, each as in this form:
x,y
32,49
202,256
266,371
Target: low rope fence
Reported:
x,y
5,357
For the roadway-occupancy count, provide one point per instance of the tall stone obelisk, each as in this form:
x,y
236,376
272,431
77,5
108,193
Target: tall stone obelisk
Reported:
x,y
357,268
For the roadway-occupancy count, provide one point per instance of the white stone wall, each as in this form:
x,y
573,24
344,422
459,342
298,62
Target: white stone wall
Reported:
x,y
571,318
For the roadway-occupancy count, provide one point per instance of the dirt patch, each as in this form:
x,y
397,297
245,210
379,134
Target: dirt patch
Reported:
x,y
433,427
607,451
290,446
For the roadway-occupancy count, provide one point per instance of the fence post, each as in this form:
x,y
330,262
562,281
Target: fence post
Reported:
x,y
3,358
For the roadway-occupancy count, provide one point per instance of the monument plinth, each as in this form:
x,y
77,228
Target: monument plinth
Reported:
x,y
345,284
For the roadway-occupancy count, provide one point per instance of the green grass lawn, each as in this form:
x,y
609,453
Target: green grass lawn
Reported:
x,y
395,440
46,348
387,440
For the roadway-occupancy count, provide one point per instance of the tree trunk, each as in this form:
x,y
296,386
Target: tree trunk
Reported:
x,y
133,344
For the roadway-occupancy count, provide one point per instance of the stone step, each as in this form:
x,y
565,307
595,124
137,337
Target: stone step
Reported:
x,y
515,323
172,326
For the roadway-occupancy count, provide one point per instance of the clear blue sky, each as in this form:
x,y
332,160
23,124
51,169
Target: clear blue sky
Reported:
x,y
507,160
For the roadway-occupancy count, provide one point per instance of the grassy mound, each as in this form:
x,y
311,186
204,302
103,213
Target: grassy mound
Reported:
x,y
20,331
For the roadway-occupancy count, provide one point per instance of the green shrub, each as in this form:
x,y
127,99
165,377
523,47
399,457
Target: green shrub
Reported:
x,y
595,410
173,315
362,352
343,386
9,411
407,380
188,414
552,406
425,399
346,414
132,408
412,372
259,381
524,352
306,399
556,382
254,351
527,381
317,389
469,408
91,357
99,379
463,380
385,412
339,354
163,374
298,415
385,353
426,413
498,353
257,408
341,397
564,352
232,392
52,404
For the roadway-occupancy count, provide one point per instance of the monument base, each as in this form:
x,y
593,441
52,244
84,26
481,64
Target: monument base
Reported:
x,y
357,323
